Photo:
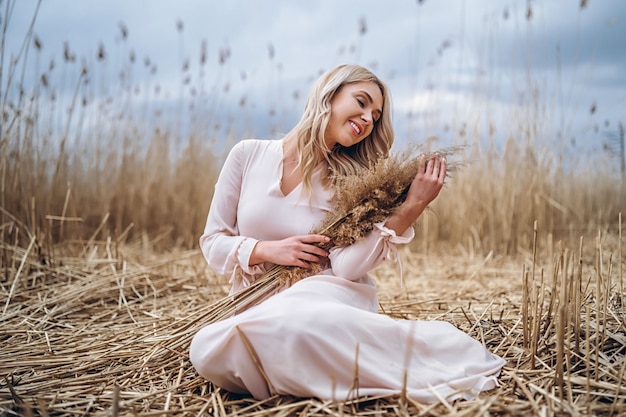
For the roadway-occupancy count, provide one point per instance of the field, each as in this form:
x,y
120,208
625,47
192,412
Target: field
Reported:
x,y
103,328
102,201
98,320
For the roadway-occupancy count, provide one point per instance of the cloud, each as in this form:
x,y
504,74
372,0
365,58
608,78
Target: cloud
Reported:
x,y
444,60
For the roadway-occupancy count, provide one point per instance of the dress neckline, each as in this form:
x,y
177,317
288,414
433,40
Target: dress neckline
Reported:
x,y
282,173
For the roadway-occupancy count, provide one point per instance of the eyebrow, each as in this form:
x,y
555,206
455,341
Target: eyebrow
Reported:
x,y
379,111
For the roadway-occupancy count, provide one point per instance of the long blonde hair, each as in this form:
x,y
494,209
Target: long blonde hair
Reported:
x,y
310,131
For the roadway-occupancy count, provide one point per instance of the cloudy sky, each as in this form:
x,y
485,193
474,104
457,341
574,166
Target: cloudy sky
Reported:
x,y
548,70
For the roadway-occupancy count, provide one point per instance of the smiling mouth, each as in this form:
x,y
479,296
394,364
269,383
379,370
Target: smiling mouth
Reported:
x,y
355,127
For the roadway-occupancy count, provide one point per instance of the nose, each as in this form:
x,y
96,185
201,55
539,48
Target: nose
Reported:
x,y
367,117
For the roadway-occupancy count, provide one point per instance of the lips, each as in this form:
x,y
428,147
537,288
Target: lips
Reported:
x,y
356,127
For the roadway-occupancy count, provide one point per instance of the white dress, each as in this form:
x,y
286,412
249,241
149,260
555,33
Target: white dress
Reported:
x,y
322,337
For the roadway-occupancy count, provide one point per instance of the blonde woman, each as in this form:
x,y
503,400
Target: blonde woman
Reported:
x,y
313,338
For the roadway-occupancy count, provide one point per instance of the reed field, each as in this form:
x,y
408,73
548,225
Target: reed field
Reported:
x,y
105,191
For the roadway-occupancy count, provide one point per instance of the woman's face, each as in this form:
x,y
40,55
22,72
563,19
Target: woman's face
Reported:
x,y
353,111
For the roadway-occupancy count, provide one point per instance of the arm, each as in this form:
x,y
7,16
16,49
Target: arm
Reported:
x,y
358,259
354,261
292,251
423,190
221,244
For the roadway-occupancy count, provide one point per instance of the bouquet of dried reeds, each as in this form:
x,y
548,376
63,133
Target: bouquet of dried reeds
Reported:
x,y
361,200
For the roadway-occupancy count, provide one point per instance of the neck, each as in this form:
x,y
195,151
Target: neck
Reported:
x,y
290,153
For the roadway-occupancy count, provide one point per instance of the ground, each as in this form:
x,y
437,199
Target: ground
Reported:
x,y
102,329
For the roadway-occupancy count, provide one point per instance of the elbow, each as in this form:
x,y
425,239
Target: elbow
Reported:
x,y
349,272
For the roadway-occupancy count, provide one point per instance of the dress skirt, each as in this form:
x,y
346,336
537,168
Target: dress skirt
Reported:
x,y
324,338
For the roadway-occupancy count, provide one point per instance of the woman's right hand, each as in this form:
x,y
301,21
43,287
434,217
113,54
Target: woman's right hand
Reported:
x,y
292,251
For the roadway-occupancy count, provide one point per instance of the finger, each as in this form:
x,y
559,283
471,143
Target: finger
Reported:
x,y
302,264
308,257
430,166
314,250
443,170
314,238
421,166
436,165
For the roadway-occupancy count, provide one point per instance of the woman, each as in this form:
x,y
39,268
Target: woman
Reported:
x,y
323,337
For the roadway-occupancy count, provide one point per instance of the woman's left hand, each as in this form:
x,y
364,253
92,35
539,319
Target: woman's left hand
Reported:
x,y
427,183
424,188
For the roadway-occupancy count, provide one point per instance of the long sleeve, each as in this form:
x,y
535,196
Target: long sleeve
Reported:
x,y
354,261
222,246
248,206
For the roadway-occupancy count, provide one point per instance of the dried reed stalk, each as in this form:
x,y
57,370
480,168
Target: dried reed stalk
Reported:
x,y
100,335
68,342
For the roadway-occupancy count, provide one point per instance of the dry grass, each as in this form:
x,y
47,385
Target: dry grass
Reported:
x,y
90,332
89,145
103,196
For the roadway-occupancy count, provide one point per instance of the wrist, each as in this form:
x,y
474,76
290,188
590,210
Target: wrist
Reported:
x,y
411,210
256,255
404,216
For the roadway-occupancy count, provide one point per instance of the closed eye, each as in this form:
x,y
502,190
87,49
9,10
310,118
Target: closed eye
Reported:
x,y
376,114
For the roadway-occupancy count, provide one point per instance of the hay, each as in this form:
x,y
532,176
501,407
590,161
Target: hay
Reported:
x,y
95,334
